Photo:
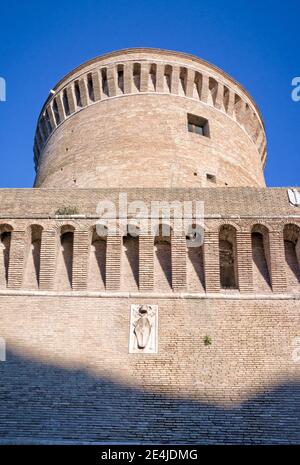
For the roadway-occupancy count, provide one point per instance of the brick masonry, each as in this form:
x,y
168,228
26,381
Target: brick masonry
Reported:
x,y
68,341
118,124
125,263
69,376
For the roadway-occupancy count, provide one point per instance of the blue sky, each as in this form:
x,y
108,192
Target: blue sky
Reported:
x,y
257,42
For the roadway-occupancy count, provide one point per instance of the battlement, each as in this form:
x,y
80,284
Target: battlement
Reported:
x,y
116,108
254,251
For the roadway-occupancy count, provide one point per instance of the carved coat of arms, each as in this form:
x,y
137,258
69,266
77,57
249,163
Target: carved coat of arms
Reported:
x,y
143,328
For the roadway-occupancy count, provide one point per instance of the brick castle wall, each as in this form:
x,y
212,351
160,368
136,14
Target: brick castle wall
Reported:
x,y
69,376
58,252
225,370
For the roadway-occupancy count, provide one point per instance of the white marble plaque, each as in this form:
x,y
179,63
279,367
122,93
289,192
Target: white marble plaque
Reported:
x,y
143,329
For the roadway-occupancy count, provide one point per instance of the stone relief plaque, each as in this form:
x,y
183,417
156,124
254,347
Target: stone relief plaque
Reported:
x,y
143,329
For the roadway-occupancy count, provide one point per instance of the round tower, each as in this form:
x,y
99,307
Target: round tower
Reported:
x,y
149,118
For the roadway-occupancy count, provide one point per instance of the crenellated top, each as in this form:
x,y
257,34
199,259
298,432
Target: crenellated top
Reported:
x,y
145,71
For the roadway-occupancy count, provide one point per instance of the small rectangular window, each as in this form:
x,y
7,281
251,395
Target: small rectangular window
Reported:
x,y
198,125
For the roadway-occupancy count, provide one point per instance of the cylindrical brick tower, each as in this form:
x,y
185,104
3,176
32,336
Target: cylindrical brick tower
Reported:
x,y
149,118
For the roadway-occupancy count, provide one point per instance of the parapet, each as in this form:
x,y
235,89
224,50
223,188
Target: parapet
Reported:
x,y
145,118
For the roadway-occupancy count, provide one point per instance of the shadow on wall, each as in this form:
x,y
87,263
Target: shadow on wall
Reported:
x,y
44,402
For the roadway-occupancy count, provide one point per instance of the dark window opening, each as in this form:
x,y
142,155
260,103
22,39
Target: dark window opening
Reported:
x,y
56,112
121,78
104,82
227,257
198,125
77,94
90,86
137,76
66,103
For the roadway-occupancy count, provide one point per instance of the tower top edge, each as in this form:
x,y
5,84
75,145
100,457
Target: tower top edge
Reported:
x,y
188,57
